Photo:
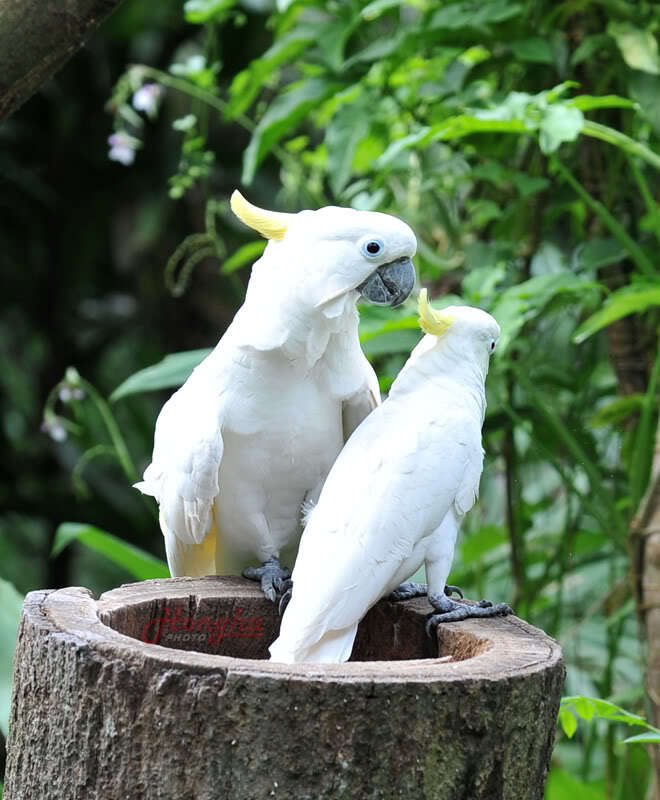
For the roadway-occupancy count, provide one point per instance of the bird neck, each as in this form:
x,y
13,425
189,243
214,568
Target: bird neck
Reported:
x,y
448,368
302,333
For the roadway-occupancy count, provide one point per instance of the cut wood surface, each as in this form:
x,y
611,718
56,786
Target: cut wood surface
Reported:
x,y
160,690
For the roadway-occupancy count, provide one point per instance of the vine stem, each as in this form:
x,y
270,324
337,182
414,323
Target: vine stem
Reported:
x,y
220,105
618,139
186,87
616,229
116,438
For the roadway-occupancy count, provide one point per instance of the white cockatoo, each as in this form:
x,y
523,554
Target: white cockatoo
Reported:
x,y
253,432
395,497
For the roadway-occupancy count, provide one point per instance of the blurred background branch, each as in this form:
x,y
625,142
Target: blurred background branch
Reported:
x,y
37,38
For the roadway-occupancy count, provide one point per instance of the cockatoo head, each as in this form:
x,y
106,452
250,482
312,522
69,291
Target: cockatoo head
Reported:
x,y
326,255
462,330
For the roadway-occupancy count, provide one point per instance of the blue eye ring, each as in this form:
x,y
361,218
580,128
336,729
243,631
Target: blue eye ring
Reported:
x,y
372,247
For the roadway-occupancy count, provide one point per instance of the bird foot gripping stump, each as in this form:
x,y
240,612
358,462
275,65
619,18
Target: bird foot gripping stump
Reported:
x,y
161,690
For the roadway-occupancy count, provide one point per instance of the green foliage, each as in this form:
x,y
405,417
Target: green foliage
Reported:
x,y
141,565
173,370
588,708
636,297
11,603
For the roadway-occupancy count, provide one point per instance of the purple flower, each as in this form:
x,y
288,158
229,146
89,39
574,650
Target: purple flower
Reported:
x,y
147,98
122,148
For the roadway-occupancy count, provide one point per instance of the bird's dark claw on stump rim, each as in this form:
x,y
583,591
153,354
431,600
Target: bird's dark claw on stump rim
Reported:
x,y
447,610
271,576
286,591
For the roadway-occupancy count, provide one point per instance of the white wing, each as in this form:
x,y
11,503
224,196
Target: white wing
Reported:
x,y
362,403
389,489
183,475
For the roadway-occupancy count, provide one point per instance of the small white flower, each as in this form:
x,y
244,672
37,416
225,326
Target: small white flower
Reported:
x,y
54,428
147,98
122,148
58,433
186,123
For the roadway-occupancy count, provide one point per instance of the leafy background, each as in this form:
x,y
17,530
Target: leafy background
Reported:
x,y
518,139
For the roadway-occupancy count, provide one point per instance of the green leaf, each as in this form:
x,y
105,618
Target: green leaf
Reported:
x,y
520,303
584,707
346,128
11,603
139,563
173,370
332,38
473,15
392,341
529,184
600,252
372,329
645,89
643,738
491,121
378,7
535,49
379,49
638,47
631,299
246,254
568,722
589,46
588,707
618,411
282,116
587,102
248,83
560,123
465,124
562,785
399,145
201,11
475,546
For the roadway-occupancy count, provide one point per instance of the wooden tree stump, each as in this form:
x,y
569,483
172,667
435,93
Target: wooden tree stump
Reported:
x,y
160,690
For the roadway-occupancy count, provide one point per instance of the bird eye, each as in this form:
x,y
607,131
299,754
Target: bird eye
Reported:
x,y
492,346
372,248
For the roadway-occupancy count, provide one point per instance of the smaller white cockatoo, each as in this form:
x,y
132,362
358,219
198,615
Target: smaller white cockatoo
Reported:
x,y
253,432
395,497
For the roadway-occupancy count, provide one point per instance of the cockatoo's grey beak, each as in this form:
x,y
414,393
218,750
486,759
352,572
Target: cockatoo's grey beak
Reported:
x,y
390,284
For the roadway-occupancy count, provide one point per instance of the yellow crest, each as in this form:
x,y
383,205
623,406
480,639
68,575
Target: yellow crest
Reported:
x,y
430,320
270,224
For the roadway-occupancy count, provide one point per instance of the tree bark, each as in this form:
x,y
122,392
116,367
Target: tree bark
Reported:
x,y
99,713
645,567
37,37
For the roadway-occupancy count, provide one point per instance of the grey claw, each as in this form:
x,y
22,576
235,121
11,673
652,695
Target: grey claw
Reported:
x,y
406,591
270,575
287,591
447,610
450,590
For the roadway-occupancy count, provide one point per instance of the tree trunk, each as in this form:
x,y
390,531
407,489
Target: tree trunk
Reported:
x,y
104,706
645,561
37,37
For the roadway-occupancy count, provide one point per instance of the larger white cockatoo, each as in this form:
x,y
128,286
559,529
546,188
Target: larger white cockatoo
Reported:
x,y
253,432
396,495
